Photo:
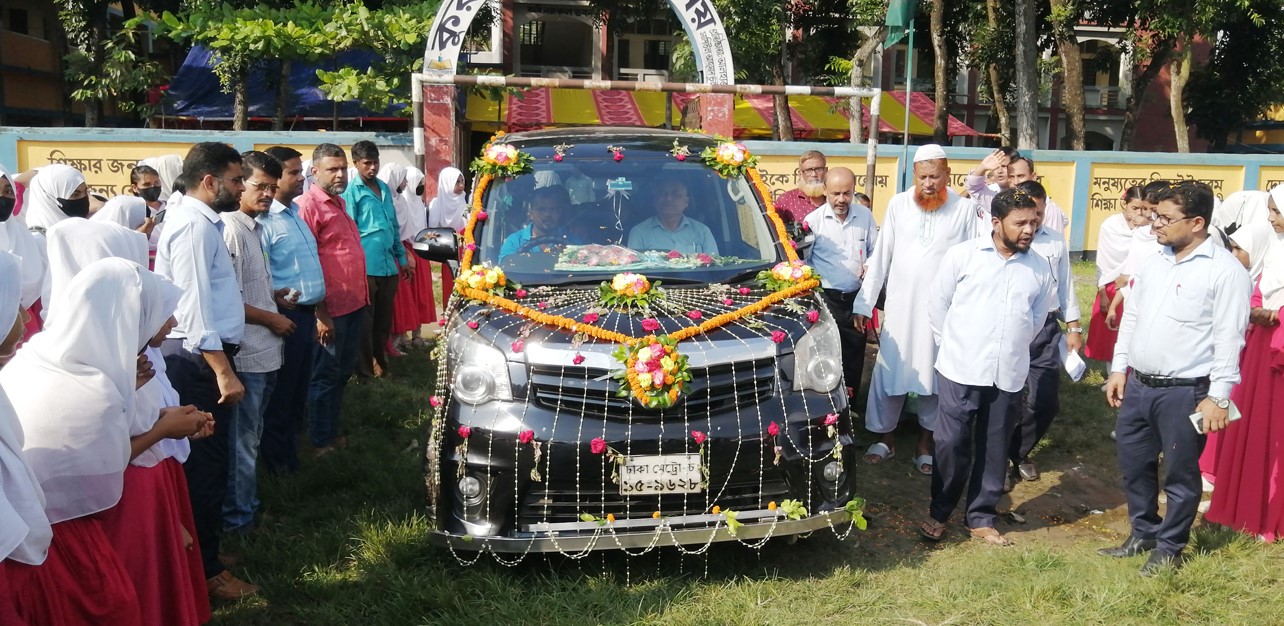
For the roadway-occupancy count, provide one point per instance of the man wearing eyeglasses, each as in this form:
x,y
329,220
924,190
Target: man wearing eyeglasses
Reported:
x,y
261,353
794,205
1177,355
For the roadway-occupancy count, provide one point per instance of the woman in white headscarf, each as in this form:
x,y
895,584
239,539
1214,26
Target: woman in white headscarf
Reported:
x,y
24,528
57,192
1247,223
73,389
1249,463
128,211
449,209
1114,240
151,526
169,166
415,304
18,241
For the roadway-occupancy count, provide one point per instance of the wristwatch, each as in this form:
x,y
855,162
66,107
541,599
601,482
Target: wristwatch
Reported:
x,y
1077,331
1222,403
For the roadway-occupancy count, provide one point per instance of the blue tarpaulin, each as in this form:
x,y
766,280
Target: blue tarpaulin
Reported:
x,y
195,90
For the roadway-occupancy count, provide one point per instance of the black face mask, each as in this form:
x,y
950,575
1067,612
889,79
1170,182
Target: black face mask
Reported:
x,y
419,191
75,208
6,207
150,194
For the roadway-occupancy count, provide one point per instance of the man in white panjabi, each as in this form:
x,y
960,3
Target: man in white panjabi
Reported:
x,y
920,225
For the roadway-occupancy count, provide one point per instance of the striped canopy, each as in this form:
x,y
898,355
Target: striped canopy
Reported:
x,y
814,117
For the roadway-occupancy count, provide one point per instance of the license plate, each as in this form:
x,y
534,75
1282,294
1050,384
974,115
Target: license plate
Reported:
x,y
668,473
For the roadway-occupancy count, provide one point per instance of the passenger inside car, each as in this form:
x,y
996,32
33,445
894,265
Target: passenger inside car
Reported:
x,y
670,228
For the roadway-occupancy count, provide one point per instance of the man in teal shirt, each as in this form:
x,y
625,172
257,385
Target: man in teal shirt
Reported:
x,y
369,203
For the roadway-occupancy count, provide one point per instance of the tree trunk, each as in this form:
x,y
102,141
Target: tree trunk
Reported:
x,y
997,93
1027,76
940,121
282,95
1180,73
783,129
1071,71
857,78
1159,55
240,104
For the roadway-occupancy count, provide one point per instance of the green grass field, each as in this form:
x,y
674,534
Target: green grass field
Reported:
x,y
345,542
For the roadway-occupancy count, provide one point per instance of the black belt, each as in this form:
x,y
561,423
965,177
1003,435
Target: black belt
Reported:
x,y
231,349
1161,382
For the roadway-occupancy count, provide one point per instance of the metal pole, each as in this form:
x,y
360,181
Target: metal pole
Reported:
x,y
492,80
871,149
417,128
909,83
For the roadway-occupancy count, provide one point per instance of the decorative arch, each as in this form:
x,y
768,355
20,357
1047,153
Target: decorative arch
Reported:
x,y
699,18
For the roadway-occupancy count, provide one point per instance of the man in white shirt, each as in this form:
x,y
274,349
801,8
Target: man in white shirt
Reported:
x,y
845,234
981,367
1177,354
1020,170
211,324
671,229
921,224
1043,385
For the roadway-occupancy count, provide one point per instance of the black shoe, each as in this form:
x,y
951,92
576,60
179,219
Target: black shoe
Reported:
x,y
1028,471
1159,562
1131,547
1010,479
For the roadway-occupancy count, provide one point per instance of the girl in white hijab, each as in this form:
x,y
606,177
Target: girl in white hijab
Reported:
x,y
24,528
128,211
57,192
448,209
415,304
17,240
72,388
168,166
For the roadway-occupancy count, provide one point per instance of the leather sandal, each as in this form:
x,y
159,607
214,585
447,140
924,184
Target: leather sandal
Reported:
x,y
225,586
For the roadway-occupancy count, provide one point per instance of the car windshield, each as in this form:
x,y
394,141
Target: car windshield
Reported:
x,y
582,220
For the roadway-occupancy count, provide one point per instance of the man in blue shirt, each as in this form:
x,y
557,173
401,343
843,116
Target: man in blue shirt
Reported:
x,y
670,229
369,204
547,211
299,287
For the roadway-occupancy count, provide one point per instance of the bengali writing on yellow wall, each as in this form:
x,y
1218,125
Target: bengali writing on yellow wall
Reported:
x,y
1268,176
1111,180
781,174
105,164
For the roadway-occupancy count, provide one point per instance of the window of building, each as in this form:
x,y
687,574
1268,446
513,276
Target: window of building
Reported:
x,y
16,22
655,54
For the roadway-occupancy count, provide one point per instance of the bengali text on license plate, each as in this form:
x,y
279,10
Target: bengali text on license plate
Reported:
x,y
669,473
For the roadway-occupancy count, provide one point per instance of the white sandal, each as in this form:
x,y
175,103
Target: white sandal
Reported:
x,y
880,450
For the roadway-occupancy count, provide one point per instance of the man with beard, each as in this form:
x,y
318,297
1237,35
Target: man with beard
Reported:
x,y
1043,385
298,287
341,316
809,195
260,356
921,224
211,324
1178,354
845,235
981,367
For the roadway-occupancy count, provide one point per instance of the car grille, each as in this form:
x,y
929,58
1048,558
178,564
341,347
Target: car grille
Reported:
x,y
592,391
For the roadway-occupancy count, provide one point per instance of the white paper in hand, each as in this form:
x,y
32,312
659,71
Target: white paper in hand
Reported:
x,y
1074,364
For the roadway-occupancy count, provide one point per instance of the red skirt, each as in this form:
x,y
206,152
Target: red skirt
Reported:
x,y
81,582
1100,344
34,325
146,528
414,305
8,612
1250,462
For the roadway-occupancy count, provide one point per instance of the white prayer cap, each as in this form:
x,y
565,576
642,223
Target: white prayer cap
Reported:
x,y
929,152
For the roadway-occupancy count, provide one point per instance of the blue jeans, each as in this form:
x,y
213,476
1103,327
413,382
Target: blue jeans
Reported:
x,y
287,409
331,368
241,500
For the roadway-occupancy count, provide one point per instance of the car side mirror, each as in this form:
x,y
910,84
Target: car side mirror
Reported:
x,y
437,244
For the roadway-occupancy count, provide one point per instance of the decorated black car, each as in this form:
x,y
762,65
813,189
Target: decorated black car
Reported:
x,y
633,357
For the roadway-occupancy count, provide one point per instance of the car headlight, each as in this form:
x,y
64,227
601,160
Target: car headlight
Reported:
x,y
818,357
480,372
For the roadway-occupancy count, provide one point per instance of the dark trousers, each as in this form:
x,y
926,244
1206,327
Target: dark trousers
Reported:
x,y
852,340
332,365
1040,403
206,467
973,426
377,325
287,409
1152,421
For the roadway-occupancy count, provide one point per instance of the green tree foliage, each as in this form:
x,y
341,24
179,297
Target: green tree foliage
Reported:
x,y
114,70
396,34
1243,76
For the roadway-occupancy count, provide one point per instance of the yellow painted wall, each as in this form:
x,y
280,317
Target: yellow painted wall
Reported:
x,y
1111,180
105,164
781,174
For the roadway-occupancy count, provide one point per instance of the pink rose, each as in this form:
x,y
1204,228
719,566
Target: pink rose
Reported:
x,y
650,325
813,316
619,156
526,436
473,324
831,419
682,157
674,254
465,431
698,436
557,157
481,216
520,293
694,314
704,259
579,358
590,318
806,227
470,246
435,401
773,429
518,345
793,244
598,445
777,336
542,305
744,291
728,302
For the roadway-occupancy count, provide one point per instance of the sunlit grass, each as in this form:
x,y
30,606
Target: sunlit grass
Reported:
x,y
346,542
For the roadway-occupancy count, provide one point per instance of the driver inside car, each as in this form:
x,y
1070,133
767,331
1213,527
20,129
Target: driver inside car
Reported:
x,y
547,211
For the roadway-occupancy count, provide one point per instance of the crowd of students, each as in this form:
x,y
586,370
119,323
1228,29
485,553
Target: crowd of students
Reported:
x,y
159,346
